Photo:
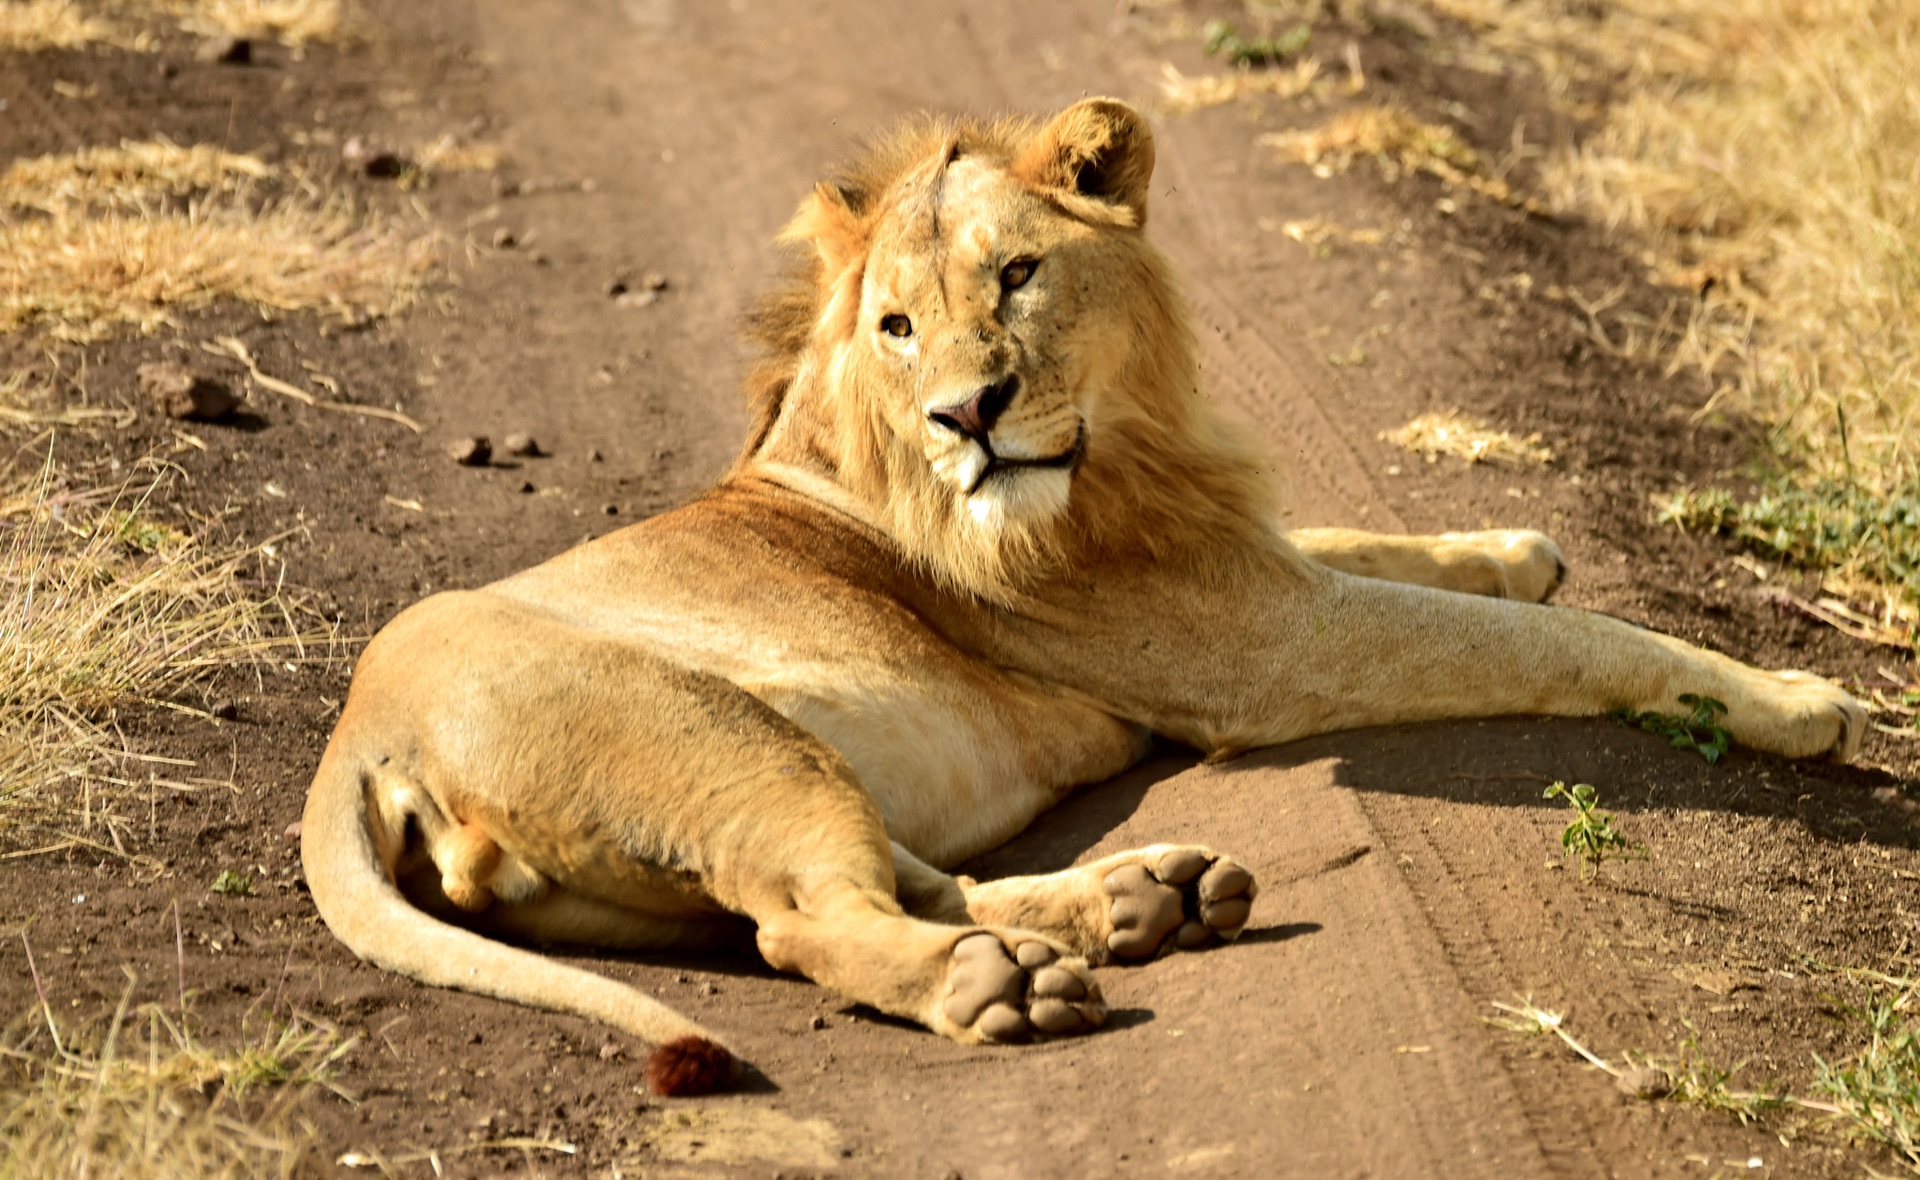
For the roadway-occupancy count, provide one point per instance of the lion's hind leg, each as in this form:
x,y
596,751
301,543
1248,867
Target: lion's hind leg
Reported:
x,y
1129,907
971,984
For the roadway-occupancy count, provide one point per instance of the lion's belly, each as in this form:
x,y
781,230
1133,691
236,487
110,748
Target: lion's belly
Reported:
x,y
955,768
958,755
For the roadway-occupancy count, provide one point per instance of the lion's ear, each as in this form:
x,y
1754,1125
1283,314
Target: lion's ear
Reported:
x,y
827,223
1096,158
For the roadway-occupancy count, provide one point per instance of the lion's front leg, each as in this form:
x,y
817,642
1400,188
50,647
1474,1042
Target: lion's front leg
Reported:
x,y
1520,564
1339,652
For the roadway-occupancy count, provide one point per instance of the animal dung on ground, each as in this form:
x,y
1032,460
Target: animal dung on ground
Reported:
x,y
475,451
226,51
372,161
178,392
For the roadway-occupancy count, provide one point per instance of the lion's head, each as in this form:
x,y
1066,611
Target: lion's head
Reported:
x,y
988,359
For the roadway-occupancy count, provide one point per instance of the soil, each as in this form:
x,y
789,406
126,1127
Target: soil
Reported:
x,y
1411,876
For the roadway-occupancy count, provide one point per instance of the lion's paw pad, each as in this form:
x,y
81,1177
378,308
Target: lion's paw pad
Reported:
x,y
1010,996
1189,900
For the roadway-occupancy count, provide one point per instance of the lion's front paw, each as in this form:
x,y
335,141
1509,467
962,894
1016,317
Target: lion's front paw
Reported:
x,y
1814,717
1531,562
1181,898
1006,987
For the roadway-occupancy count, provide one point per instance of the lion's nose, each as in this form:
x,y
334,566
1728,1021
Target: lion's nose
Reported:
x,y
974,418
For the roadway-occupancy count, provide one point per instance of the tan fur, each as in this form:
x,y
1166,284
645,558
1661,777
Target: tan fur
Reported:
x,y
779,712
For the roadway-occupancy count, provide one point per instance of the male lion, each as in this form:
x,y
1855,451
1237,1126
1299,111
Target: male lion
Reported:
x,y
986,538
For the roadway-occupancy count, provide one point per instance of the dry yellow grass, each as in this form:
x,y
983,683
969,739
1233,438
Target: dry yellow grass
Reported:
x,y
105,605
134,175
294,22
88,245
1399,143
147,1098
1452,433
1182,93
1767,153
32,25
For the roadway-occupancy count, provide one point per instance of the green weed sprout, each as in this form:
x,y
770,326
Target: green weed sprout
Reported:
x,y
1591,836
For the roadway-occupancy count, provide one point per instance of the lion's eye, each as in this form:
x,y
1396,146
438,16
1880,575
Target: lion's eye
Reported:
x,y
896,325
1014,275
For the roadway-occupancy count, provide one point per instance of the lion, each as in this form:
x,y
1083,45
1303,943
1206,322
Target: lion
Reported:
x,y
985,541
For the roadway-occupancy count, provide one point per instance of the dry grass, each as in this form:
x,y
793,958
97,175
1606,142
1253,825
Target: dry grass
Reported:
x,y
105,238
1451,433
147,1097
105,605
31,25
294,22
1181,93
1767,152
1399,143
134,175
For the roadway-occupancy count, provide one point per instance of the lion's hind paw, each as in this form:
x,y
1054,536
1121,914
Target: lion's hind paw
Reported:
x,y
1182,898
1005,993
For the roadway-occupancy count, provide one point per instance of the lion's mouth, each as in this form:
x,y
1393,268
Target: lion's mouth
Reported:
x,y
1069,460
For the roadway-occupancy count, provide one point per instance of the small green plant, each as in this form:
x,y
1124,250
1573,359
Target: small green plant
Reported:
x,y
1699,730
1699,1082
1223,38
1691,1079
1877,1093
1591,836
233,884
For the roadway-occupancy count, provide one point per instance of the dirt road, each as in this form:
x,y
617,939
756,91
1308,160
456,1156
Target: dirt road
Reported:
x,y
1411,876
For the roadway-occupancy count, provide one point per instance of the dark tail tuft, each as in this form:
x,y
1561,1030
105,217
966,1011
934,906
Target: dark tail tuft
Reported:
x,y
690,1065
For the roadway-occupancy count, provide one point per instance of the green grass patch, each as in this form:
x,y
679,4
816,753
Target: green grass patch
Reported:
x,y
1859,538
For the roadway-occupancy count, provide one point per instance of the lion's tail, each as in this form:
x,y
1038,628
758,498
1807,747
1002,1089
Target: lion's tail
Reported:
x,y
365,910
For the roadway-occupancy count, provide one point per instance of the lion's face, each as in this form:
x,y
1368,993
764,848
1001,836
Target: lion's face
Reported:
x,y
992,322
989,362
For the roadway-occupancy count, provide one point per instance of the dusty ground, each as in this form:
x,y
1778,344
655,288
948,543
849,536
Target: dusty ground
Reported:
x,y
1343,1035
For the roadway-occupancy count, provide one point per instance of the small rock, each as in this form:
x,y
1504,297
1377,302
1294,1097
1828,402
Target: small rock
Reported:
x,y
817,1023
504,238
523,445
708,989
609,1051
1644,1081
539,258
617,286
225,710
594,456
526,487
225,51
637,299
610,509
180,393
653,280
471,452
292,831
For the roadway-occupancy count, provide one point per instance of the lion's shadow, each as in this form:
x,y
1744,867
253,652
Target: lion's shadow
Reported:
x,y
1505,762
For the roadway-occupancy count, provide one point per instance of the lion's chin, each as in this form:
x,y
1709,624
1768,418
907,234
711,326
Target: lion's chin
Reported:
x,y
1022,496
